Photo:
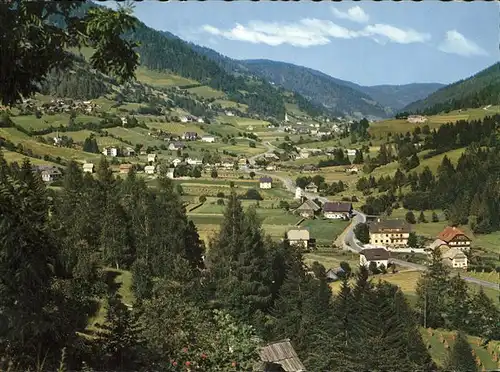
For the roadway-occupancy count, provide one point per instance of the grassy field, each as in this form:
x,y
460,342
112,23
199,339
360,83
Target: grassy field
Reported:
x,y
231,104
175,128
206,92
31,122
383,128
325,231
12,157
161,79
440,341
243,123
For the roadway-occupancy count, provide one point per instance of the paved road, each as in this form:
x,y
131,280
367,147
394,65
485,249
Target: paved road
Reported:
x,y
350,242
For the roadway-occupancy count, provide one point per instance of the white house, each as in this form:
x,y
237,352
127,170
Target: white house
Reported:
x,y
455,258
124,121
312,188
271,167
351,152
176,146
337,210
298,193
229,113
200,120
110,151
184,119
378,255
88,168
298,237
176,162
209,139
194,161
49,173
152,158
149,169
266,182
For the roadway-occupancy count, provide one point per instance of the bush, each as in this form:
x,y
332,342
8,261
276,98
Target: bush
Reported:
x,y
220,195
220,201
202,199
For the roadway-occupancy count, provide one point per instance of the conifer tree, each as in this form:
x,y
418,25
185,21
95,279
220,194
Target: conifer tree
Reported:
x,y
458,305
121,340
460,358
430,289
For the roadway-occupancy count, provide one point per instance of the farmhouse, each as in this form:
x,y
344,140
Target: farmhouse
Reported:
x,y
298,237
454,238
265,182
125,168
110,151
390,233
173,146
152,158
311,188
88,168
308,209
332,275
455,257
149,169
378,255
351,169
279,356
129,151
190,136
416,119
49,173
337,210
209,139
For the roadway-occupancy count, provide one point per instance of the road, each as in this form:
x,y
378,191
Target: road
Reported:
x,y
350,242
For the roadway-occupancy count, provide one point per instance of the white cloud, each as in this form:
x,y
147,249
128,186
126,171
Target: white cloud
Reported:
x,y
311,32
395,34
355,14
456,43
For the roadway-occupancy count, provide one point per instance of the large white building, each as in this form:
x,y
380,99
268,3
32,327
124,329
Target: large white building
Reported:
x,y
265,182
378,255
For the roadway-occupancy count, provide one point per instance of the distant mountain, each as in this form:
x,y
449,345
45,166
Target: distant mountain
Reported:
x,y
398,96
481,89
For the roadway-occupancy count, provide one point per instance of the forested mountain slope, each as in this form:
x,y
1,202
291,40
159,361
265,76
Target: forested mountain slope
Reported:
x,y
479,90
398,96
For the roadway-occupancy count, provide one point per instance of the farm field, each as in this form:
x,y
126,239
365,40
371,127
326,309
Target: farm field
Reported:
x,y
12,157
440,342
161,79
242,122
175,128
325,231
231,104
31,122
206,92
383,128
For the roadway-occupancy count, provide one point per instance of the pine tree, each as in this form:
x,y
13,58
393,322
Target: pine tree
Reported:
x,y
121,340
460,358
421,217
430,289
458,304
484,318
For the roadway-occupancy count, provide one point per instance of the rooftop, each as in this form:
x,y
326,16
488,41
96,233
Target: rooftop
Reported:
x,y
308,205
337,207
266,179
282,353
375,254
389,225
449,233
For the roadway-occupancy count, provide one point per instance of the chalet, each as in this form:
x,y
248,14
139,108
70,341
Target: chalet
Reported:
x,y
378,255
298,237
416,119
209,139
129,151
390,233
48,173
455,258
298,193
125,168
110,151
173,146
332,275
337,210
351,169
308,209
279,356
88,168
265,182
311,188
152,158
149,169
190,136
455,238
194,161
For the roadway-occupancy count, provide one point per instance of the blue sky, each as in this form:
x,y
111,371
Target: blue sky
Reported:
x,y
365,42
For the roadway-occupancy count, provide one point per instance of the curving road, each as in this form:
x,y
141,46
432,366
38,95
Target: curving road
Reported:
x,y
349,240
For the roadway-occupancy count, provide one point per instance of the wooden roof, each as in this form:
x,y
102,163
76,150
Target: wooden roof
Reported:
x,y
282,353
449,233
309,205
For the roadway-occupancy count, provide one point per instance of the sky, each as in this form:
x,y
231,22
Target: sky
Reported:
x,y
366,42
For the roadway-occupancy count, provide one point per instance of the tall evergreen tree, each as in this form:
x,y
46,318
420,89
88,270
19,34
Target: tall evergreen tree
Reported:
x,y
431,286
460,358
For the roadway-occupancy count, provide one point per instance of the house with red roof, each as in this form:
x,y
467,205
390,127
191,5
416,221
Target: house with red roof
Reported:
x,y
453,237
